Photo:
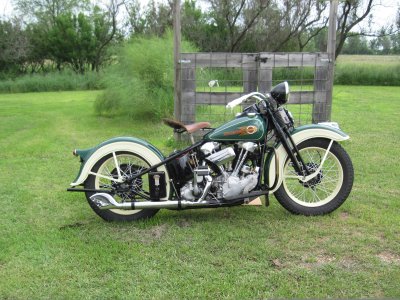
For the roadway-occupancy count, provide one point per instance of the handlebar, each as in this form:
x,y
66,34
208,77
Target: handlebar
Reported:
x,y
258,96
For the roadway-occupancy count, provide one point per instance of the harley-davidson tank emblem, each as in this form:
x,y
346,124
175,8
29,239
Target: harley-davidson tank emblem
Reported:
x,y
245,130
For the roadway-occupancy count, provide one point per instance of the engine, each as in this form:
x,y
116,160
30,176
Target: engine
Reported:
x,y
223,173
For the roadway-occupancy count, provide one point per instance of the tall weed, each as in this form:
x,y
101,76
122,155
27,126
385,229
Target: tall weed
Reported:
x,y
55,81
367,74
141,84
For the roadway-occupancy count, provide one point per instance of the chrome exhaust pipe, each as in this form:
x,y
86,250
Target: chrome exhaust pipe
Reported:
x,y
105,201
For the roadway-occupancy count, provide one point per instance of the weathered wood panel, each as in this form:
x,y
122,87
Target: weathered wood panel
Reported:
x,y
257,70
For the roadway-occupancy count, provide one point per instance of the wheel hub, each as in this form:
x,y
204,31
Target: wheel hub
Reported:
x,y
126,190
312,167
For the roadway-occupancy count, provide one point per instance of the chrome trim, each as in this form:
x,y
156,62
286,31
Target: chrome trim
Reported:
x,y
105,201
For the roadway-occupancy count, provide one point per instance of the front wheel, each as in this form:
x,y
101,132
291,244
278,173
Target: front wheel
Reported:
x,y
325,192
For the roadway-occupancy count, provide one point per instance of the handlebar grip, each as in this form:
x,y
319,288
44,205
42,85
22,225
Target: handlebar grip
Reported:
x,y
236,102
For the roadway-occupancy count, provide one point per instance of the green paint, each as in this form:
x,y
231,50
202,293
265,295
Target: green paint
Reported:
x,y
232,130
318,126
85,154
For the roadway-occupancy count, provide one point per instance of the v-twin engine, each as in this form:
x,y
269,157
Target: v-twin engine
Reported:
x,y
231,181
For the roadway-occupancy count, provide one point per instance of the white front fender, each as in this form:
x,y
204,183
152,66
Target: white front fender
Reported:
x,y
299,135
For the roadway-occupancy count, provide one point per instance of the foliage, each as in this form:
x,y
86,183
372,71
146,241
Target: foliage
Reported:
x,y
56,81
79,40
154,19
53,246
364,74
14,49
141,83
46,11
357,45
57,36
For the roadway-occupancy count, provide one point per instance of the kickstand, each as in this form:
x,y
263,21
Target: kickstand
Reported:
x,y
266,197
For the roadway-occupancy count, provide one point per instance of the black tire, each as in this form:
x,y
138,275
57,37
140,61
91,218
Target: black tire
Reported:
x,y
93,182
335,180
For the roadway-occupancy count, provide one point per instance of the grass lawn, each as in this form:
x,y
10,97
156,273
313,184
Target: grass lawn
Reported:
x,y
386,60
53,246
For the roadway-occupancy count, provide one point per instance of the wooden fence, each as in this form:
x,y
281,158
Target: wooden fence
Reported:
x,y
257,75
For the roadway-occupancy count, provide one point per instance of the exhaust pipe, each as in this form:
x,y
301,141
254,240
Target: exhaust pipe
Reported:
x,y
105,201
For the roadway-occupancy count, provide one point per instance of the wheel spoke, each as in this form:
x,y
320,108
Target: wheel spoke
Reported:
x,y
321,188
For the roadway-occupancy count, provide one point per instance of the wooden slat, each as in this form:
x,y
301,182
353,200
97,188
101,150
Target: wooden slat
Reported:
x,y
295,59
319,108
301,98
224,98
215,98
265,80
218,60
188,76
322,60
257,75
250,80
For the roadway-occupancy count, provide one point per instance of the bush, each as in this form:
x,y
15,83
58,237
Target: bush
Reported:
x,y
141,84
56,81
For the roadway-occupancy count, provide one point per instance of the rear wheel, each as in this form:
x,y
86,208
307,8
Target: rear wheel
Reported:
x,y
327,190
106,168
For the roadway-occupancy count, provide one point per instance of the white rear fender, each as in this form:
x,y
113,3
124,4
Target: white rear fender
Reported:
x,y
299,135
142,150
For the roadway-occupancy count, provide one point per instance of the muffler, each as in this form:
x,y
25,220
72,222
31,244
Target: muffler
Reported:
x,y
105,201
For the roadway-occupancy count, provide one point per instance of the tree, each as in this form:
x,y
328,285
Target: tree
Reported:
x,y
155,19
238,17
356,45
105,31
48,10
395,37
14,47
350,14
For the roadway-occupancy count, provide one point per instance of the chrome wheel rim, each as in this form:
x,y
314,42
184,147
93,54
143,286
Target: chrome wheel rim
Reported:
x,y
320,190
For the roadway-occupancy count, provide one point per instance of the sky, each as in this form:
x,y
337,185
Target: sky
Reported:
x,y
383,14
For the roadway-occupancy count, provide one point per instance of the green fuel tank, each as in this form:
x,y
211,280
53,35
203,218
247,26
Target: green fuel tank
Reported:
x,y
244,128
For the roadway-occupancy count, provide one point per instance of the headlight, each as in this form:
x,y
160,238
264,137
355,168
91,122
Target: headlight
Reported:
x,y
280,93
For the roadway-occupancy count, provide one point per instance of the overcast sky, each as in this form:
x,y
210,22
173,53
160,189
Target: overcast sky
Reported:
x,y
383,15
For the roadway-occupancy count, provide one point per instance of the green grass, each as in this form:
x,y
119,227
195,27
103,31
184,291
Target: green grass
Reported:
x,y
53,246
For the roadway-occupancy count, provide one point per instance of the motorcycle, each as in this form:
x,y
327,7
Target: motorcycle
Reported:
x,y
258,153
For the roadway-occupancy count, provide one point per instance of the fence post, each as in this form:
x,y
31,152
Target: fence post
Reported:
x,y
266,63
177,69
188,89
322,110
331,49
250,72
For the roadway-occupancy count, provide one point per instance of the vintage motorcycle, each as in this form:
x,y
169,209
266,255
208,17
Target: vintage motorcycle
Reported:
x,y
260,152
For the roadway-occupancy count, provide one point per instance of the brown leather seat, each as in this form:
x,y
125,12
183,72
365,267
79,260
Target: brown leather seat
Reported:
x,y
190,128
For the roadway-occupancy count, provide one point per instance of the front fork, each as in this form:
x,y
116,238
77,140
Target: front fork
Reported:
x,y
286,139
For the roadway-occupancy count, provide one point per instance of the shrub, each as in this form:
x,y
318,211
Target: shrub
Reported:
x,y
141,84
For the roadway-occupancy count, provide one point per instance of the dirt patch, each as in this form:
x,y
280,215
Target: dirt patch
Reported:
x,y
347,263
184,223
317,261
143,236
157,232
277,263
389,258
226,214
73,225
344,215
